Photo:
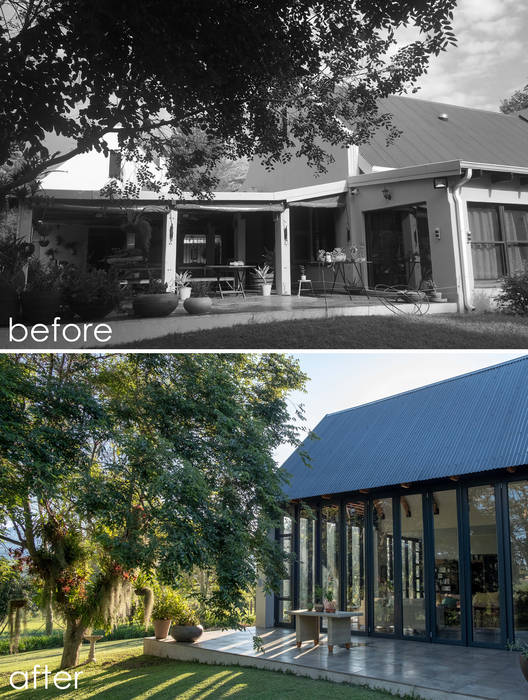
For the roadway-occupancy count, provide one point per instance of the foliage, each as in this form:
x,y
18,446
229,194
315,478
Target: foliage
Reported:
x,y
14,251
89,286
171,605
513,296
116,464
262,272
33,642
522,647
200,288
296,75
42,278
515,103
155,287
183,279
14,583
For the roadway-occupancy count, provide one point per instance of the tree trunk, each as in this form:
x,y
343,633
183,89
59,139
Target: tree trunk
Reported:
x,y
73,636
49,615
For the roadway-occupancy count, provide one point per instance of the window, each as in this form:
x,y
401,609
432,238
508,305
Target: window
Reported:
x,y
355,563
518,508
412,552
330,555
285,598
499,240
383,566
307,545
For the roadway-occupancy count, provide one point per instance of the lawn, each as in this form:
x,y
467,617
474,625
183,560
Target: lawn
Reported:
x,y
122,672
482,331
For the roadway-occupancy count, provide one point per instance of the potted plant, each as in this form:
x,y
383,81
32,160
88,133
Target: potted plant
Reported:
x,y
90,294
330,604
318,594
185,627
521,647
263,274
255,280
41,299
183,284
166,607
155,300
14,255
201,303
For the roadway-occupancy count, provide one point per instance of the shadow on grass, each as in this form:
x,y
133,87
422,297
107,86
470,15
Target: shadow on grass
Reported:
x,y
483,331
166,679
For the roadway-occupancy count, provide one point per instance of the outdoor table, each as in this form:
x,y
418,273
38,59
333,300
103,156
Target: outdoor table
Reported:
x,y
339,270
238,271
308,623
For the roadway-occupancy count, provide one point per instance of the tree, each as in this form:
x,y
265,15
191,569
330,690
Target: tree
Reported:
x,y
119,464
515,103
256,78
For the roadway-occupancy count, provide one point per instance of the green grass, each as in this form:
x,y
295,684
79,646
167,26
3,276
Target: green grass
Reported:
x,y
479,330
122,672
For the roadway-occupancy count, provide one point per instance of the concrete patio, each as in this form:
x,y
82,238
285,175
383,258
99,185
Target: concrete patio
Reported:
x,y
432,672
228,312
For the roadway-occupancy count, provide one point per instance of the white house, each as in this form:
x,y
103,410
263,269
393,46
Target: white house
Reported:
x,y
447,201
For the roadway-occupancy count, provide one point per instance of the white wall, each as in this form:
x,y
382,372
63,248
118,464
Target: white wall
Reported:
x,y
439,215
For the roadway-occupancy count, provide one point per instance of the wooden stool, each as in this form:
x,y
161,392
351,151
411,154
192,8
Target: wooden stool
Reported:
x,y
301,282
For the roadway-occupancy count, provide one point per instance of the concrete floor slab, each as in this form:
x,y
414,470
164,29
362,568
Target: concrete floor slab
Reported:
x,y
431,672
227,312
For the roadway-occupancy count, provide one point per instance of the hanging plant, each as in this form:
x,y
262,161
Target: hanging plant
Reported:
x,y
16,614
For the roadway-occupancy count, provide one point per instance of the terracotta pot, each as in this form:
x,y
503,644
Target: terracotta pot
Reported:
x,y
40,307
186,633
91,311
161,628
9,304
148,305
198,305
184,293
524,666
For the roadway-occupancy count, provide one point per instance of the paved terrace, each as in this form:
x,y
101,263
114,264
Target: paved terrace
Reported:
x,y
227,312
432,672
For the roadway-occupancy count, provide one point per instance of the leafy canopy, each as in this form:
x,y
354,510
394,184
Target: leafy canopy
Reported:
x,y
117,464
203,81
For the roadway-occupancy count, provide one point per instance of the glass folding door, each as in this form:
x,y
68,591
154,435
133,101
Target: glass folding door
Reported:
x,y
355,583
383,572
518,512
307,557
412,565
330,554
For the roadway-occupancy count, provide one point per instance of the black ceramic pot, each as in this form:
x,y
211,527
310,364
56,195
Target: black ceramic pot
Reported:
x,y
198,305
186,633
146,305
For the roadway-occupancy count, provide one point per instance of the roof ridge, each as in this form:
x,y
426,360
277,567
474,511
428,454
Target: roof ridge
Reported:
x,y
447,104
457,377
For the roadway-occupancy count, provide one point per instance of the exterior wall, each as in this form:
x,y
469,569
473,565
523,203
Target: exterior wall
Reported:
x,y
482,190
440,216
496,588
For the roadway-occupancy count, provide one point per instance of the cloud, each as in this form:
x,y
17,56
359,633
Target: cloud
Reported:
x,y
488,63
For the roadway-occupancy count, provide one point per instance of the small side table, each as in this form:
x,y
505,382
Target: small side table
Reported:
x,y
307,282
308,622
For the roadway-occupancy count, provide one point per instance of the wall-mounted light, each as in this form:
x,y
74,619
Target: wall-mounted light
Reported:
x,y
171,233
440,183
354,191
386,193
285,232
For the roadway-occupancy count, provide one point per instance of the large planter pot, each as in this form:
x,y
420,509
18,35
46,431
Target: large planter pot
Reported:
x,y
184,293
9,304
146,305
40,307
91,311
161,628
255,282
524,666
186,633
198,305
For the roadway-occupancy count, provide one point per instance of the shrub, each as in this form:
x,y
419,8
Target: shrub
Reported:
x,y
33,642
92,286
171,605
514,293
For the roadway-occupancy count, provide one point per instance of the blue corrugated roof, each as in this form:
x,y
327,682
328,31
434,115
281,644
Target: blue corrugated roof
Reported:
x,y
470,423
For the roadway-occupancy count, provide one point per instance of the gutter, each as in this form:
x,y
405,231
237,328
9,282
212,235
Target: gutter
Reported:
x,y
461,234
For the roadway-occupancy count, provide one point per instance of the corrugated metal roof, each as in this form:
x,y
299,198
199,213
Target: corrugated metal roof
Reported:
x,y
470,423
475,135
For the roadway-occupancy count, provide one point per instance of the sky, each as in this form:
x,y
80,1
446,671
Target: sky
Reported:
x,y
342,380
489,62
